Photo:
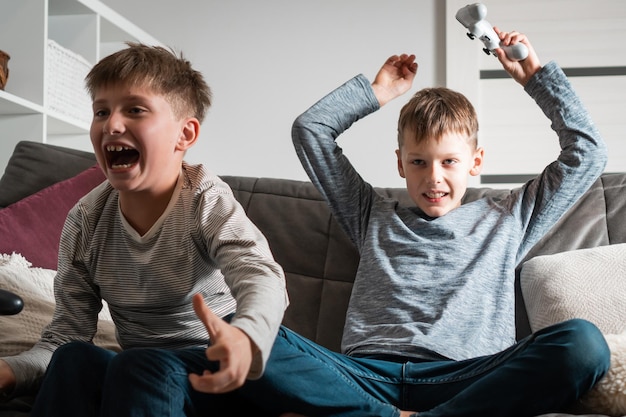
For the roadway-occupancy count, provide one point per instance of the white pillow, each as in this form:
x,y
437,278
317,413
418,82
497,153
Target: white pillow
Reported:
x,y
35,286
584,283
588,284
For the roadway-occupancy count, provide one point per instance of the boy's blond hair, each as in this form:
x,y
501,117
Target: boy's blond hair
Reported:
x,y
158,69
432,112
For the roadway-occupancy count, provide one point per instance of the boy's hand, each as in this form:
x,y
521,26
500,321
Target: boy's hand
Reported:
x,y
394,78
523,70
230,346
7,377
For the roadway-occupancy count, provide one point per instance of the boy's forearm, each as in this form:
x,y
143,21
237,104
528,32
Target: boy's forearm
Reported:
x,y
259,315
580,140
581,161
27,368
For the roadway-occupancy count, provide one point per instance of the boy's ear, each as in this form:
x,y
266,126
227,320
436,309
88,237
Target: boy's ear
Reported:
x,y
188,134
400,166
478,162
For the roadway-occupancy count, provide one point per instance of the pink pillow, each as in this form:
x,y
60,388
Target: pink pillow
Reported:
x,y
32,226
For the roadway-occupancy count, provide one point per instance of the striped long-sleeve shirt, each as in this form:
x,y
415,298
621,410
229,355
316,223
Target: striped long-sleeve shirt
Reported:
x,y
203,243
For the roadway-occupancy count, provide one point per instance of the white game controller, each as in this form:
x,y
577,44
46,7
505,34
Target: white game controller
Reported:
x,y
472,17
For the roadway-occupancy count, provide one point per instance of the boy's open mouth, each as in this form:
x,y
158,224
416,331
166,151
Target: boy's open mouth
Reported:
x,y
435,195
119,157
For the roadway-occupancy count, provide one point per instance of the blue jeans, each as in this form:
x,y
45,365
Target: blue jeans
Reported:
x,y
83,380
542,373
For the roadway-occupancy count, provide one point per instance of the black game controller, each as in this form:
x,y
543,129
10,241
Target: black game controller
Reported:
x,y
10,303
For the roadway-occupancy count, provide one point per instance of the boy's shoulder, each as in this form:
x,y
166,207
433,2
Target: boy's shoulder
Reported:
x,y
198,178
99,195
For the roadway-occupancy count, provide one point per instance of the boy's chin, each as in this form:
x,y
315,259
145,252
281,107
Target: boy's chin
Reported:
x,y
435,212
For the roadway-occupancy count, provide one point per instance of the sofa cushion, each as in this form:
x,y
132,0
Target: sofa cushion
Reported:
x,y
585,283
318,258
34,166
33,225
35,287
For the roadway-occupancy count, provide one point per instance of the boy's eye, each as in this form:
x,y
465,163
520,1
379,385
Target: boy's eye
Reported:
x,y
100,113
449,161
136,110
417,162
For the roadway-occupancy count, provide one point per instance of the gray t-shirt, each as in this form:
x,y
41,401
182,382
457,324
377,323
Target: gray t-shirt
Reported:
x,y
442,287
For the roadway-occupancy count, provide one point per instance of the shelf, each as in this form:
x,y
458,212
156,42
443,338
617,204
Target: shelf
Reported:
x,y
67,7
59,124
11,104
53,44
116,28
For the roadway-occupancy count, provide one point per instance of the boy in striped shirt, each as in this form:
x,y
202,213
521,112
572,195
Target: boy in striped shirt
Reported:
x,y
158,241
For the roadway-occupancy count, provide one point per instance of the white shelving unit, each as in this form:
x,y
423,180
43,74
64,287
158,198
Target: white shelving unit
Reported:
x,y
84,28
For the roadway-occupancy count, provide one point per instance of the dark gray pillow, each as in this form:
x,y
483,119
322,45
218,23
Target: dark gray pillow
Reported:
x,y
34,166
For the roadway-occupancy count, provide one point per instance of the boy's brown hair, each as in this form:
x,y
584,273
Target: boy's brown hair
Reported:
x,y
432,112
158,69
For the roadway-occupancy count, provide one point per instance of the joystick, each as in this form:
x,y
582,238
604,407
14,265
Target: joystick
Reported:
x,y
472,17
10,303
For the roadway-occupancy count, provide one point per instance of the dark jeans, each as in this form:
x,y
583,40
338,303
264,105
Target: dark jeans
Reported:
x,y
84,380
541,374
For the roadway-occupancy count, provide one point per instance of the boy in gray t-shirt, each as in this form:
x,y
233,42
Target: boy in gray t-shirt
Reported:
x,y
430,326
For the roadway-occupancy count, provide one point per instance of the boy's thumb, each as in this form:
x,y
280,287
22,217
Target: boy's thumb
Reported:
x,y
208,318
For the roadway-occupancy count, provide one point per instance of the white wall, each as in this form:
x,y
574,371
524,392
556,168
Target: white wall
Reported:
x,y
268,61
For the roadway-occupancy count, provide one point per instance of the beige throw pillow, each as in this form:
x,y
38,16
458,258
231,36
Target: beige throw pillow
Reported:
x,y
584,283
588,284
35,286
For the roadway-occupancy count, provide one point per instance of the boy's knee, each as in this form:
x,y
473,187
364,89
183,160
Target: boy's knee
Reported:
x,y
77,352
593,345
145,363
130,360
584,348
74,358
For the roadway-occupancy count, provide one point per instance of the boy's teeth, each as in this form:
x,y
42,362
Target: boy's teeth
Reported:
x,y
435,195
117,148
116,166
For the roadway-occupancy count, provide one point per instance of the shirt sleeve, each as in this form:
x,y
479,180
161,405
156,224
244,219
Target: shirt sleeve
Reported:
x,y
256,280
77,322
314,134
581,161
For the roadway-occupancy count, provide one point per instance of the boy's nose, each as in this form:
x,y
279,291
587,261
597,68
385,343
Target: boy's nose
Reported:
x,y
434,174
113,125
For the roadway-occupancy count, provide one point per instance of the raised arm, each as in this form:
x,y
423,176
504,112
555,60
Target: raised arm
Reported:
x,y
523,70
394,78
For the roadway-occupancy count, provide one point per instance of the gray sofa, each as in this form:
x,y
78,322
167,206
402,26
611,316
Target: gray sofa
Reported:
x,y
318,258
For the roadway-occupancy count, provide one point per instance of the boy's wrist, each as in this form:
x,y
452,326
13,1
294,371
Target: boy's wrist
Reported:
x,y
7,378
530,75
382,94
